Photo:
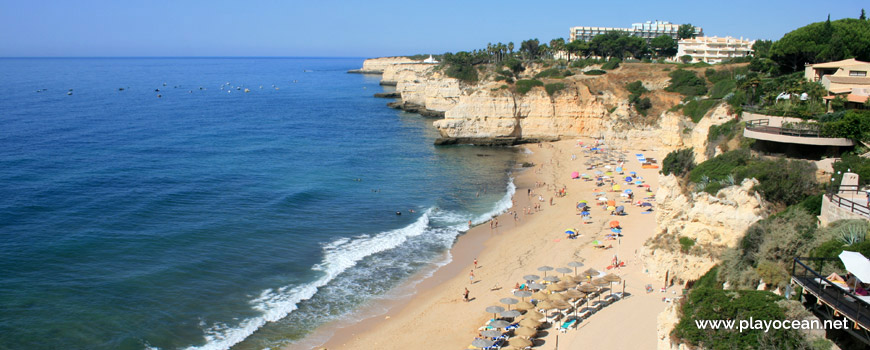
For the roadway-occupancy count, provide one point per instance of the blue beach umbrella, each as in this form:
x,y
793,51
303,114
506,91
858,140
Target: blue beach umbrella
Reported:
x,y
628,179
632,173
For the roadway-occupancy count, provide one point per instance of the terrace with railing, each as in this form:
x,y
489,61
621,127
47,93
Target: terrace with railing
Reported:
x,y
830,300
844,198
798,133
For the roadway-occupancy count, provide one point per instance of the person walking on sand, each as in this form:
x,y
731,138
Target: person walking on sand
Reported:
x,y
475,263
471,277
465,295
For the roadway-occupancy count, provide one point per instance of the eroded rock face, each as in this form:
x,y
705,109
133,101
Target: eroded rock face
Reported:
x,y
713,222
378,65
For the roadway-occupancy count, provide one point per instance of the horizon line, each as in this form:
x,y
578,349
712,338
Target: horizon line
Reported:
x,y
62,57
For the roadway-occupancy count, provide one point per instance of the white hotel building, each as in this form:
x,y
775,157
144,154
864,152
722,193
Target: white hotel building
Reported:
x,y
713,49
647,30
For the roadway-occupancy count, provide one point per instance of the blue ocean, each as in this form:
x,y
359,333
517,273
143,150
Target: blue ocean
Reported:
x,y
216,203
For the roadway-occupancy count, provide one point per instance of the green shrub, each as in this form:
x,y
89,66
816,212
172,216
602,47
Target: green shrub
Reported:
x,y
636,88
726,130
686,59
696,109
686,243
526,85
708,302
553,88
554,73
719,167
642,105
854,163
722,88
613,63
466,73
594,72
812,204
686,83
854,124
679,162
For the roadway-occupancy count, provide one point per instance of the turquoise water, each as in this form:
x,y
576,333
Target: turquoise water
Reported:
x,y
210,217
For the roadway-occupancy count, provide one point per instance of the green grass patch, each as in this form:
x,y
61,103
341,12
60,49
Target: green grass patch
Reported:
x,y
553,88
686,83
727,130
696,109
594,72
526,85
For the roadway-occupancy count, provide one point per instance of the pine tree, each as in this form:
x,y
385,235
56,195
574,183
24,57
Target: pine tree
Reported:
x,y
863,16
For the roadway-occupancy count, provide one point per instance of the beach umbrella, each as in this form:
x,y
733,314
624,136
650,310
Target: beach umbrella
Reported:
x,y
857,264
587,288
551,279
544,305
612,278
494,310
539,296
491,333
520,342
620,209
556,297
483,343
567,283
632,173
561,305
573,294
584,201
531,277
534,314
616,187
545,269
531,323
524,305
499,324
575,265
619,170
581,205
611,208
628,179
627,191
575,175
638,182
599,282
510,313
526,332
535,286
509,301
591,272
523,294
569,232
611,203
563,270
579,279
555,288
615,230
614,224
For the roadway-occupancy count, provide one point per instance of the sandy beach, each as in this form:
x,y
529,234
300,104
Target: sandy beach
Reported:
x,y
436,316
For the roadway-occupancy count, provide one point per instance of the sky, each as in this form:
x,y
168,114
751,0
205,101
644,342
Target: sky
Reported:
x,y
372,28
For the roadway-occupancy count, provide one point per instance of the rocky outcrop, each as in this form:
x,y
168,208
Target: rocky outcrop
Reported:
x,y
377,65
712,222
667,320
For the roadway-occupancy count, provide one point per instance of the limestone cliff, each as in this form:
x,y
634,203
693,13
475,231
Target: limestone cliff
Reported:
x,y
712,222
586,106
377,65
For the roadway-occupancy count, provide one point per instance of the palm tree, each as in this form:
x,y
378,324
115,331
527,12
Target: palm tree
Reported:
x,y
510,47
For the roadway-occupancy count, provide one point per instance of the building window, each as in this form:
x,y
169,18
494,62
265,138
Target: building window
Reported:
x,y
857,73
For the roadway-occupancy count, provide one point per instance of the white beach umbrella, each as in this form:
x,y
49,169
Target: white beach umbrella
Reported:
x,y
857,264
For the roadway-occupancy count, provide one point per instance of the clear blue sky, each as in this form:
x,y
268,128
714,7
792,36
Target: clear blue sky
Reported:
x,y
361,28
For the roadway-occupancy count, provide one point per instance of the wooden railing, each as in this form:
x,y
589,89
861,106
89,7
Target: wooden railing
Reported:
x,y
763,125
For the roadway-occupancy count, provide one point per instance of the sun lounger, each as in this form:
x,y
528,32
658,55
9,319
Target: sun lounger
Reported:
x,y
585,312
566,325
609,299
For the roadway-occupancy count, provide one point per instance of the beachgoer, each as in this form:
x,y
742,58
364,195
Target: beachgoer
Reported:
x,y
551,201
469,223
471,277
466,295
496,222
475,263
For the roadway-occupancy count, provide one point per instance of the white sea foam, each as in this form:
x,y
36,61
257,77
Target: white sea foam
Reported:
x,y
339,255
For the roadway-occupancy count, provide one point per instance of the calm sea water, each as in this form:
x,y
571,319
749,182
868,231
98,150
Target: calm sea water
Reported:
x,y
210,217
